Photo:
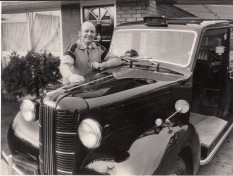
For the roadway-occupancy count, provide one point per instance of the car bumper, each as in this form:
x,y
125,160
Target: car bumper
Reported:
x,y
18,165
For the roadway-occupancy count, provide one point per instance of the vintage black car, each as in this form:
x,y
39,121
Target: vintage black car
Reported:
x,y
165,111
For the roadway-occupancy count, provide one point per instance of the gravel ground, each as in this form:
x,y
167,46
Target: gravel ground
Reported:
x,y
221,163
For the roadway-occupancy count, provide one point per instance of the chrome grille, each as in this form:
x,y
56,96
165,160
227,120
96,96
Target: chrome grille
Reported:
x,y
57,141
46,123
66,129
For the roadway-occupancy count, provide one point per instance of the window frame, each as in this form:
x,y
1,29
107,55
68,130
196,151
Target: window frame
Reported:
x,y
99,3
6,54
28,31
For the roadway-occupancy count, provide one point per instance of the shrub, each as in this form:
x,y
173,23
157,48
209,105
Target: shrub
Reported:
x,y
29,74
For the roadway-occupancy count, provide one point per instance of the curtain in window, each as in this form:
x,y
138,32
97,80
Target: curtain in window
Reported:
x,y
45,33
15,36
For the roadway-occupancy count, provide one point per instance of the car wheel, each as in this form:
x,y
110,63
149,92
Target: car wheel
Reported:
x,y
179,167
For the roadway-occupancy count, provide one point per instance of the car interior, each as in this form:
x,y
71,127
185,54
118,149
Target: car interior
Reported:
x,y
212,90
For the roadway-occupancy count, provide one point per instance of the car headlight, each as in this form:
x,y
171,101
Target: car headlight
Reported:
x,y
90,133
28,110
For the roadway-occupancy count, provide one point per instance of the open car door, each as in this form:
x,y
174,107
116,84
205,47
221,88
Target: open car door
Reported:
x,y
230,69
213,90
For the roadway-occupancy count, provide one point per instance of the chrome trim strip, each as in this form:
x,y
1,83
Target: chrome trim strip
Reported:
x,y
60,132
41,160
17,170
66,172
5,157
12,168
66,153
209,157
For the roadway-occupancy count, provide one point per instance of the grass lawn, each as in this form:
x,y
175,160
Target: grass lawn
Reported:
x,y
8,112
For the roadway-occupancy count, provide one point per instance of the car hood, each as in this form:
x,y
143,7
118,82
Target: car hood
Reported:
x,y
106,83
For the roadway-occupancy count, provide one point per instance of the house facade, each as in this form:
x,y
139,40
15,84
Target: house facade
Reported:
x,y
54,25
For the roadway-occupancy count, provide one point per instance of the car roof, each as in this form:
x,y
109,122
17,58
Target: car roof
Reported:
x,y
190,24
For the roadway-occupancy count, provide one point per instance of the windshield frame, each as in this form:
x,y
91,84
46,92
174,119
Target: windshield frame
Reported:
x,y
173,30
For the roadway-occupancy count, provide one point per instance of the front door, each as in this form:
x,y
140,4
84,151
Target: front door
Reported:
x,y
103,18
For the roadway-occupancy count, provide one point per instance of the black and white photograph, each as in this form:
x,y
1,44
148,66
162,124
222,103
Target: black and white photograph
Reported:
x,y
117,87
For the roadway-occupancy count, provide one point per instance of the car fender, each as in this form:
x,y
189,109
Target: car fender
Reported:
x,y
145,153
188,148
26,131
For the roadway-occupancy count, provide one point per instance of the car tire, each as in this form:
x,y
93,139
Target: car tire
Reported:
x,y
179,167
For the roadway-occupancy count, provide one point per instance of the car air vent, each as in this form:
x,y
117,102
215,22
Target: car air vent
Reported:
x,y
46,138
66,129
57,141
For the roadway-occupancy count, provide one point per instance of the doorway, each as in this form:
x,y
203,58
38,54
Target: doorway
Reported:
x,y
103,18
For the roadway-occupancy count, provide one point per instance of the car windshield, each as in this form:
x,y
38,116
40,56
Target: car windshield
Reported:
x,y
167,46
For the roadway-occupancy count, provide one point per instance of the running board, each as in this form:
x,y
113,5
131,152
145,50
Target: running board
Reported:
x,y
212,131
210,156
209,128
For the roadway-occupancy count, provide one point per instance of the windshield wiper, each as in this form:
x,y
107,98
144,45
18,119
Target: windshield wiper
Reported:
x,y
141,62
150,63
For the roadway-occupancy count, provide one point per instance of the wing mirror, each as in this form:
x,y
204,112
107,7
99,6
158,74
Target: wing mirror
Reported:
x,y
181,106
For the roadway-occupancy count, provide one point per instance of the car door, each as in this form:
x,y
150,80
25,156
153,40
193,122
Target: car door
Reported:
x,y
211,74
231,55
230,70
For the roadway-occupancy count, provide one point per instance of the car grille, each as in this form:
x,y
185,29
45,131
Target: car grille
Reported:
x,y
57,141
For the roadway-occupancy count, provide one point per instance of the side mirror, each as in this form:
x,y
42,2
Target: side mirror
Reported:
x,y
182,106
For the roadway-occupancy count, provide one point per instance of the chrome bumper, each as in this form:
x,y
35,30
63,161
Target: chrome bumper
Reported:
x,y
19,167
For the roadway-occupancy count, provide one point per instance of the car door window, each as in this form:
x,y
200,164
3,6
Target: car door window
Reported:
x,y
231,48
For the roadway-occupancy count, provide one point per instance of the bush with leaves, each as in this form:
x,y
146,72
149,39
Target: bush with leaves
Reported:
x,y
29,74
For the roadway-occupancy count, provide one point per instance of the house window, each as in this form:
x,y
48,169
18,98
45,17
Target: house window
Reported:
x,y
39,31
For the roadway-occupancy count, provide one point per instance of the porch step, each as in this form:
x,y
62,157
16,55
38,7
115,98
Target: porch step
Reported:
x,y
208,128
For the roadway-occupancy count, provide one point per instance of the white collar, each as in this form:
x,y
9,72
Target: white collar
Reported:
x,y
85,46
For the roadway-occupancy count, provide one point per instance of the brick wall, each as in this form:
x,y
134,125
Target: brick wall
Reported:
x,y
132,10
71,22
136,10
